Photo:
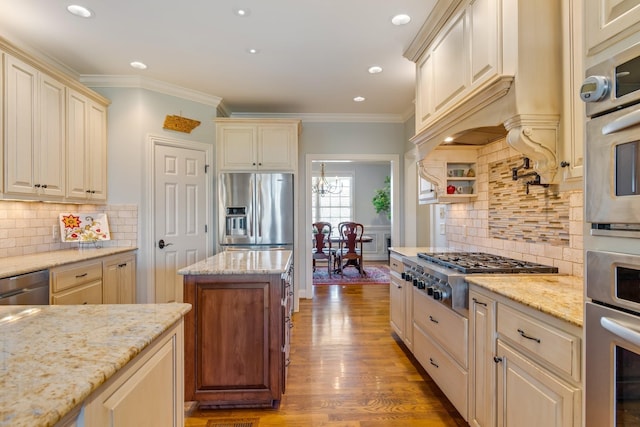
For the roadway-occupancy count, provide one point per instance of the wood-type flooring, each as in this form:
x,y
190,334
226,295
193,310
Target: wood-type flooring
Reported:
x,y
348,370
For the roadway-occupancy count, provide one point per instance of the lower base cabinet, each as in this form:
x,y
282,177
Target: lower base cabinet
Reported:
x,y
524,365
236,344
148,391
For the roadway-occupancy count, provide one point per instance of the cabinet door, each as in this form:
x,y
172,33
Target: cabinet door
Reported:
x,y
77,106
424,92
450,64
397,301
529,396
277,147
96,160
608,21
86,148
119,280
483,39
22,131
49,153
481,364
237,147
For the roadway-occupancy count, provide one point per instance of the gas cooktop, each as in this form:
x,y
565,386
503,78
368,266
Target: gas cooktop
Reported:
x,y
479,262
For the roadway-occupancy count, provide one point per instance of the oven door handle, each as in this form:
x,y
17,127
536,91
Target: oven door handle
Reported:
x,y
623,331
622,122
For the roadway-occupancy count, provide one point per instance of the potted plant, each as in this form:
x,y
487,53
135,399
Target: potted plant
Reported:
x,y
382,198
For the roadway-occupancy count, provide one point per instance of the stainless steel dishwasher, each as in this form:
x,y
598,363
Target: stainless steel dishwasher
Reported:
x,y
25,289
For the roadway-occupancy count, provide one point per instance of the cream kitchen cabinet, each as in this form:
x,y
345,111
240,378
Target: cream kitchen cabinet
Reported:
x,y
464,55
119,279
86,148
482,372
249,145
608,22
524,365
401,302
77,283
149,390
452,174
34,132
105,280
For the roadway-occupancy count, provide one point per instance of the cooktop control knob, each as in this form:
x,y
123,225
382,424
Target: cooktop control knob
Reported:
x,y
430,290
421,284
437,294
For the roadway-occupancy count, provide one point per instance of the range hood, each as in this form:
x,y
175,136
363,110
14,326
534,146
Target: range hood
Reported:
x,y
520,100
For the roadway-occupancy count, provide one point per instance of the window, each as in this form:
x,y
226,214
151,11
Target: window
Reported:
x,y
333,208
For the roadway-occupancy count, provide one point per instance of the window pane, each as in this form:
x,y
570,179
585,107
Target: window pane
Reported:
x,y
333,208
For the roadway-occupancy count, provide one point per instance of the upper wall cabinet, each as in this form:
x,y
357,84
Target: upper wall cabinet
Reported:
x,y
608,22
34,132
53,133
250,145
448,175
491,65
86,148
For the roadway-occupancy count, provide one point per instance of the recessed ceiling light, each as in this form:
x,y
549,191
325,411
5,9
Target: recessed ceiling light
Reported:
x,y
401,19
448,139
375,69
359,98
253,51
80,11
243,12
139,65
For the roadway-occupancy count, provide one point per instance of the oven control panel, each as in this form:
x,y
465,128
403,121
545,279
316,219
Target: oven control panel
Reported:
x,y
434,286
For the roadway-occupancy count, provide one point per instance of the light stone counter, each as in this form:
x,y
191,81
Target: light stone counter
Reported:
x,y
12,266
413,251
53,357
557,295
242,262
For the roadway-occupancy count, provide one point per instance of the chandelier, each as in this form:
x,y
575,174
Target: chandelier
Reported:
x,y
323,187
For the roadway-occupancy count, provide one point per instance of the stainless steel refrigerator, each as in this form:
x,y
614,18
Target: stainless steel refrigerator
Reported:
x,y
255,210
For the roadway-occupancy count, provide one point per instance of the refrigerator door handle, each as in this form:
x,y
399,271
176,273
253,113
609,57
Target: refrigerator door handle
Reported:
x,y
259,211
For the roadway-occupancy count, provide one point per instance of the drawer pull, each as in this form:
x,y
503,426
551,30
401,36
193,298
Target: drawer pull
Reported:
x,y
497,359
433,363
529,337
78,276
398,286
433,320
479,302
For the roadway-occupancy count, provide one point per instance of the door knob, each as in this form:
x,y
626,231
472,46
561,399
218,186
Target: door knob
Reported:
x,y
162,244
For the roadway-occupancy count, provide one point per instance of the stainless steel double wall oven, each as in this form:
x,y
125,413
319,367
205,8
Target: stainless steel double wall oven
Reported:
x,y
612,208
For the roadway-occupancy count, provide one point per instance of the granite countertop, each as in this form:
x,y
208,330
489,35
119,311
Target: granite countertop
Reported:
x,y
413,251
12,266
242,262
558,295
53,357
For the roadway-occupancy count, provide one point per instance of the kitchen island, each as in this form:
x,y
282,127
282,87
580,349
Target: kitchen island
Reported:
x,y
83,364
237,335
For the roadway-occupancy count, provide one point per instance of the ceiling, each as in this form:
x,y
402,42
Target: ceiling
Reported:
x,y
313,55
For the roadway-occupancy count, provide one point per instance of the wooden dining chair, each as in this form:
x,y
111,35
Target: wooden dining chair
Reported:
x,y
322,244
349,253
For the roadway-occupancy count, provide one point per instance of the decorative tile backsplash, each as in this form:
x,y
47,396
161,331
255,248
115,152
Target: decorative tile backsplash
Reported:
x,y
27,227
542,216
545,226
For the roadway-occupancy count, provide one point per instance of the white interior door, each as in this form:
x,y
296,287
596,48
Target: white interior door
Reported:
x,y
180,216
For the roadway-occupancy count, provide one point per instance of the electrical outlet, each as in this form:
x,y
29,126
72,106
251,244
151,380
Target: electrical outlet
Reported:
x,y
443,229
55,232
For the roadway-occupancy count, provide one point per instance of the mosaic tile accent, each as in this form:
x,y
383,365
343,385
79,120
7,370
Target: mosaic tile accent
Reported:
x,y
542,216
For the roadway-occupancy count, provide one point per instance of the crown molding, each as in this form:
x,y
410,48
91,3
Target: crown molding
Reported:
x,y
130,81
329,118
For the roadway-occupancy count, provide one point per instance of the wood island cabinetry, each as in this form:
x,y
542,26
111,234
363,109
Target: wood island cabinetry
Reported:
x,y
237,337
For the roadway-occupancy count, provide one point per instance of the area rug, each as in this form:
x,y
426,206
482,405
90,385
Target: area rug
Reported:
x,y
234,422
376,274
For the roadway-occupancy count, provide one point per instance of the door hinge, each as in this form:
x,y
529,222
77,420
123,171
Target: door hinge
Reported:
x,y
206,229
206,168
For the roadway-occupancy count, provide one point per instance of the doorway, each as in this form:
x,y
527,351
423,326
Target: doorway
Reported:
x,y
306,290
180,220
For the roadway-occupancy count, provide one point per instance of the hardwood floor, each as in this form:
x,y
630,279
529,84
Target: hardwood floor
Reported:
x,y
348,370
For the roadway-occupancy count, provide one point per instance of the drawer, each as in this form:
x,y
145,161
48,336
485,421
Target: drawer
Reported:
x,y
554,346
450,377
444,325
75,274
395,264
90,293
